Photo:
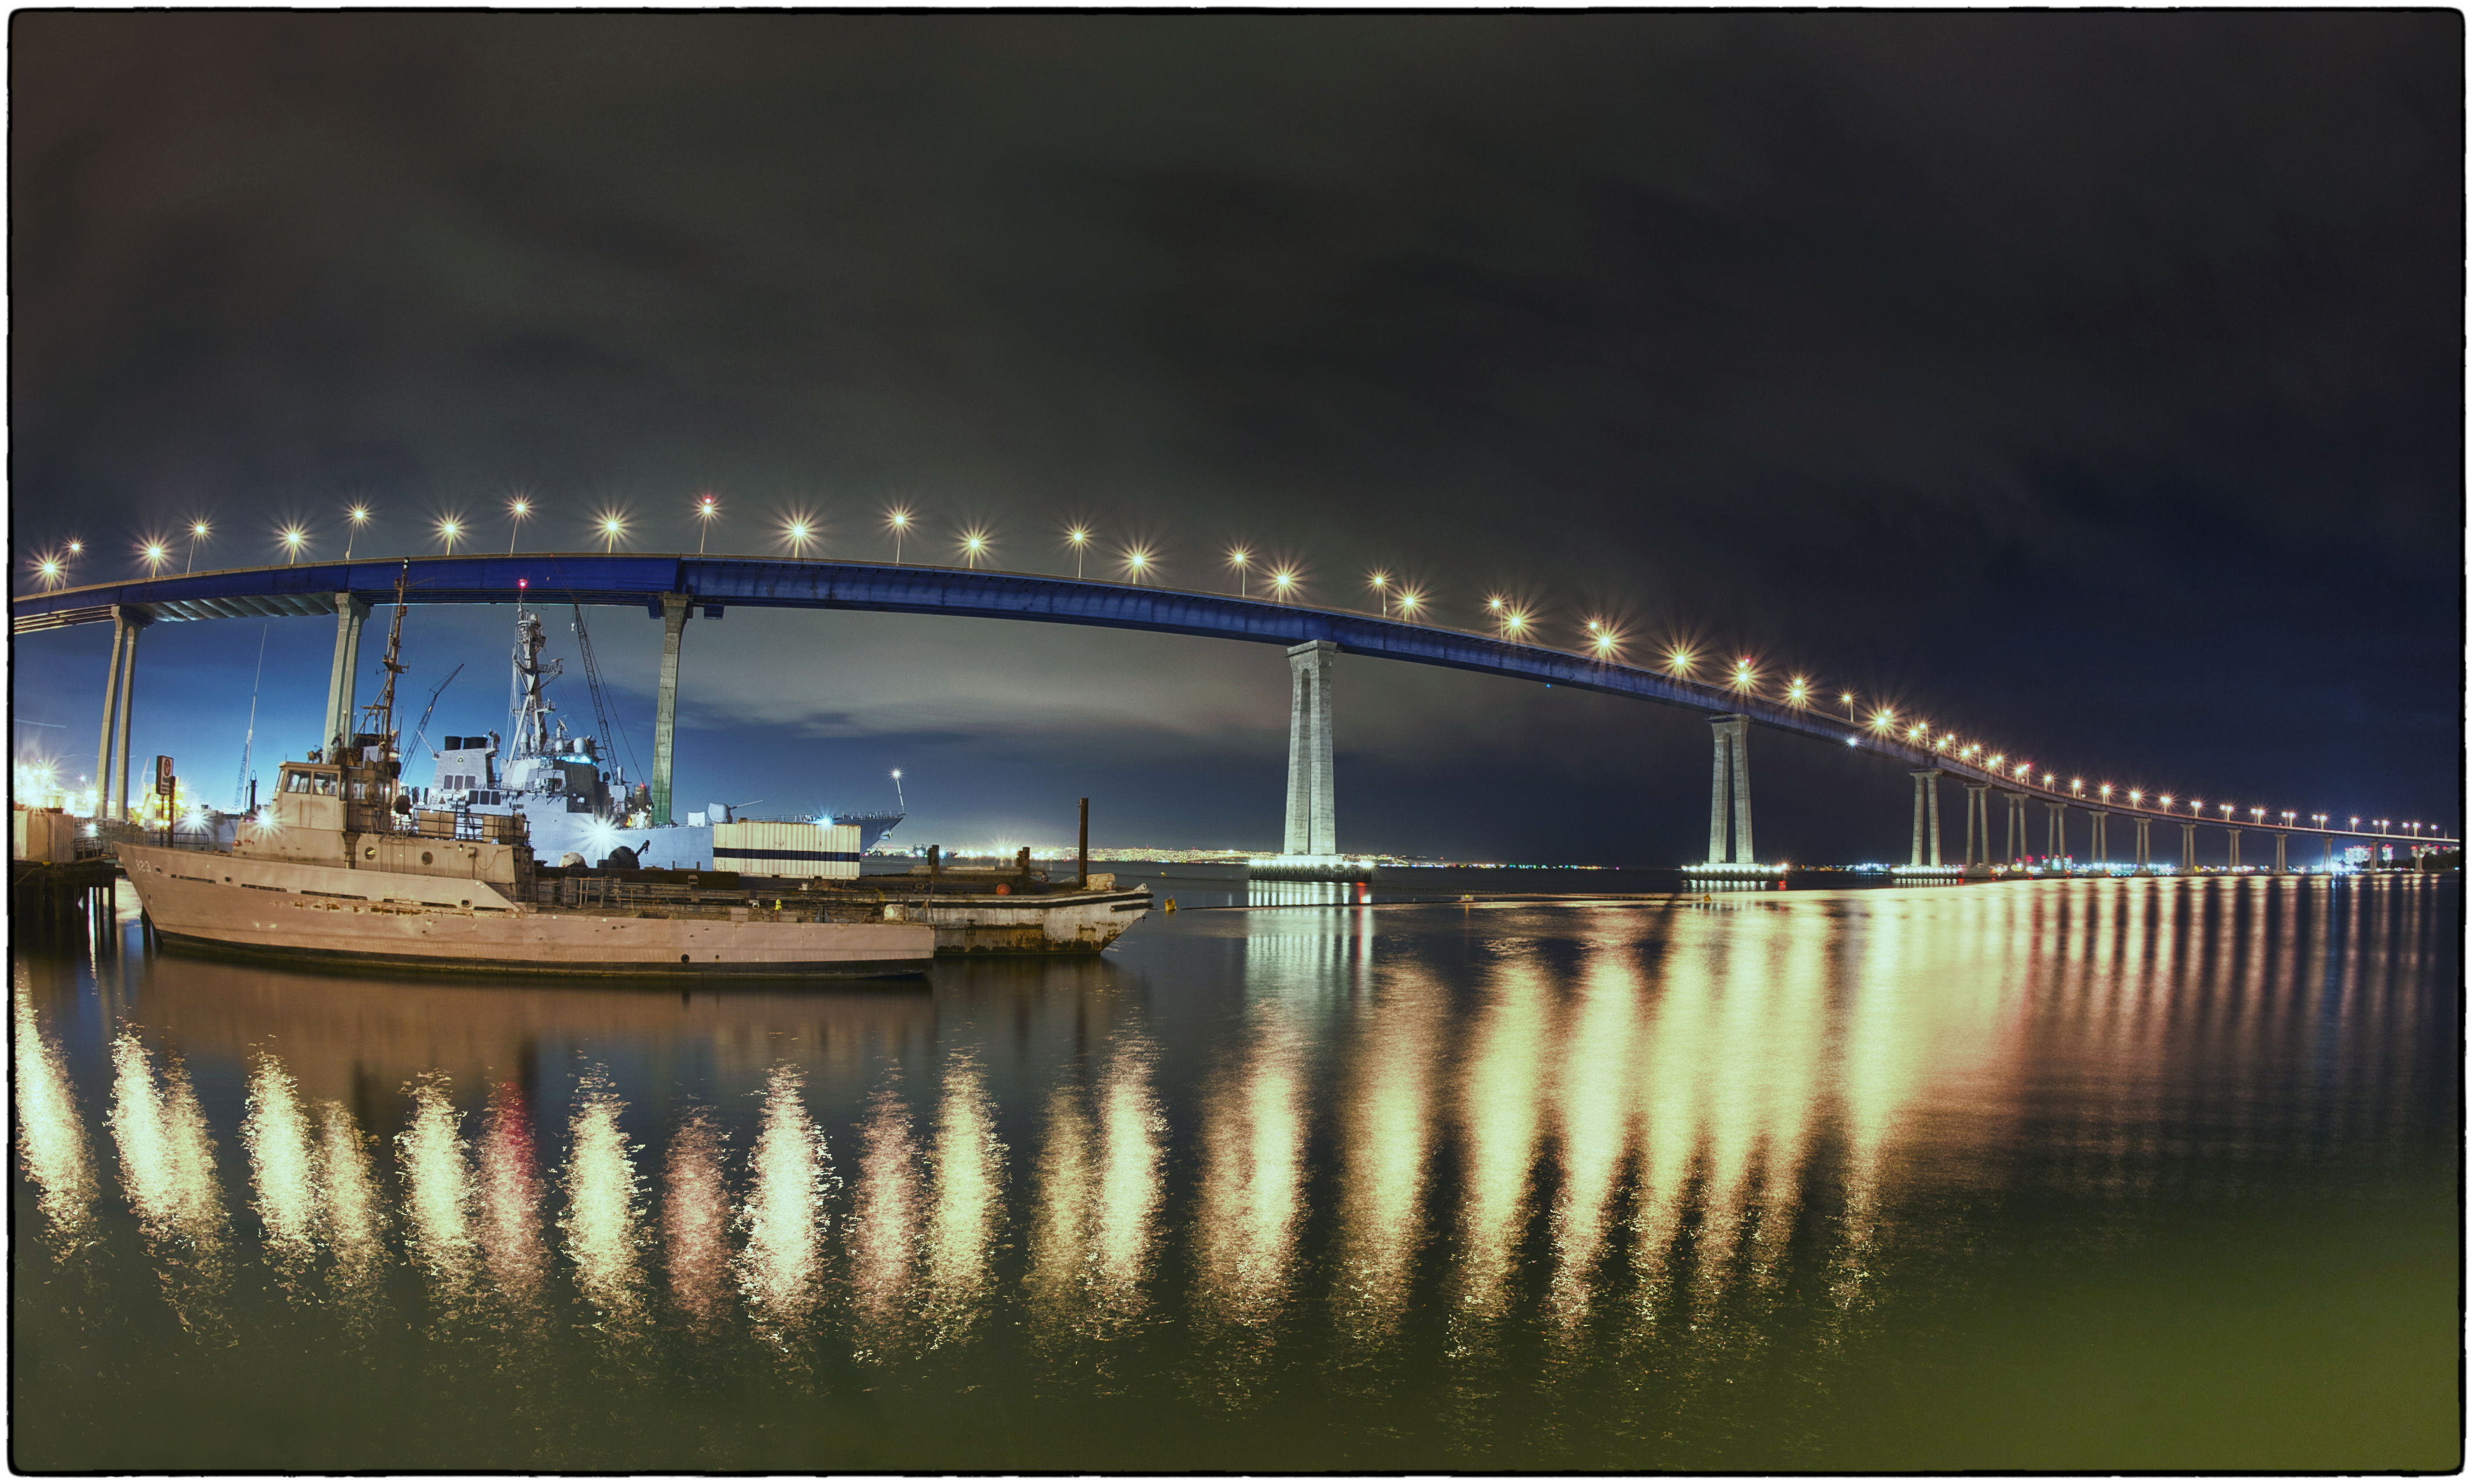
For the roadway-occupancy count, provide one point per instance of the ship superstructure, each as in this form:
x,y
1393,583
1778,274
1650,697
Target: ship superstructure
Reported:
x,y
575,797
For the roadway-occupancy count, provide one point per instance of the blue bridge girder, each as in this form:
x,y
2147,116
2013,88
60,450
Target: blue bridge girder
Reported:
x,y
719,583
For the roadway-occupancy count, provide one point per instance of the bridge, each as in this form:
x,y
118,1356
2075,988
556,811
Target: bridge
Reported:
x,y
676,588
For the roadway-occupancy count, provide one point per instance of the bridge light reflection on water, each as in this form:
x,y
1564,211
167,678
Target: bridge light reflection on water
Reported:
x,y
1603,1183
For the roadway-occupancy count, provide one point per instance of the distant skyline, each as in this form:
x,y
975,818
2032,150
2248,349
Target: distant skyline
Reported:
x,y
2091,380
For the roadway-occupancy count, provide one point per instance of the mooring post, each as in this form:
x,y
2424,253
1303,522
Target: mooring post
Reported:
x,y
1082,850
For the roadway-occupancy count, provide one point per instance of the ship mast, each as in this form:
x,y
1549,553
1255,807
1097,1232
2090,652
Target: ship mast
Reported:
x,y
378,716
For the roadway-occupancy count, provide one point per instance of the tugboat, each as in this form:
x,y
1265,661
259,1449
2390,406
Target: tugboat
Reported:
x,y
342,867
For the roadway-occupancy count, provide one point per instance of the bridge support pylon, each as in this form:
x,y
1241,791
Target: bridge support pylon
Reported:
x,y
351,613
2189,849
1313,809
2144,868
1978,832
1730,784
2279,854
665,708
2016,817
2056,834
2099,849
119,709
2232,850
1927,819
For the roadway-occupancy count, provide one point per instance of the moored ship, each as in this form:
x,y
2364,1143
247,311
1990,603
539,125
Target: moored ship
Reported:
x,y
345,864
342,867
575,799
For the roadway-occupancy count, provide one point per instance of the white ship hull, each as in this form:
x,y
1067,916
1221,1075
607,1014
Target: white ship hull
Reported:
x,y
292,909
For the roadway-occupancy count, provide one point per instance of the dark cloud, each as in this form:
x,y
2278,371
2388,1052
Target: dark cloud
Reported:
x,y
2090,379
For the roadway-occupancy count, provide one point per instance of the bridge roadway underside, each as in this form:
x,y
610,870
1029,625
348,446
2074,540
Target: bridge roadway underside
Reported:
x,y
710,586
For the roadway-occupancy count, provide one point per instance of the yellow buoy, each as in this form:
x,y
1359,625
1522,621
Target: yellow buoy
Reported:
x,y
1172,904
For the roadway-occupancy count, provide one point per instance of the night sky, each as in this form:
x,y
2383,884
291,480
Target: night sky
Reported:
x,y
2089,383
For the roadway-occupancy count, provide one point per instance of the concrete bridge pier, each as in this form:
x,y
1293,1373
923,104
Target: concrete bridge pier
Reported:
x,y
2016,819
2232,850
119,706
1729,782
1927,804
1979,831
2056,834
2189,848
1313,813
2279,854
2145,869
2099,850
350,614
675,607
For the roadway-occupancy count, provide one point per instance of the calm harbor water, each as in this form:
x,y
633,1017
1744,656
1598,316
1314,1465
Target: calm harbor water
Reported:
x,y
2048,1175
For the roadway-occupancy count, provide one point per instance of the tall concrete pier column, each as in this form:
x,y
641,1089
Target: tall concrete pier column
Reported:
x,y
2232,850
2057,835
104,750
2099,849
2017,823
1978,829
2189,848
1730,786
2279,854
351,613
1926,851
665,708
131,620
1314,812
2144,869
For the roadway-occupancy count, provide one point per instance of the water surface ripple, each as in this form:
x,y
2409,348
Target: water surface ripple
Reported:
x,y
2068,1175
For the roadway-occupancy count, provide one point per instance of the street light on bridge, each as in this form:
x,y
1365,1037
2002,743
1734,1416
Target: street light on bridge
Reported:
x,y
1798,692
1409,601
1846,699
360,517
1679,661
1744,674
1238,556
975,545
1137,560
1079,538
707,507
516,510
799,530
449,529
899,519
155,555
613,525
197,533
292,537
